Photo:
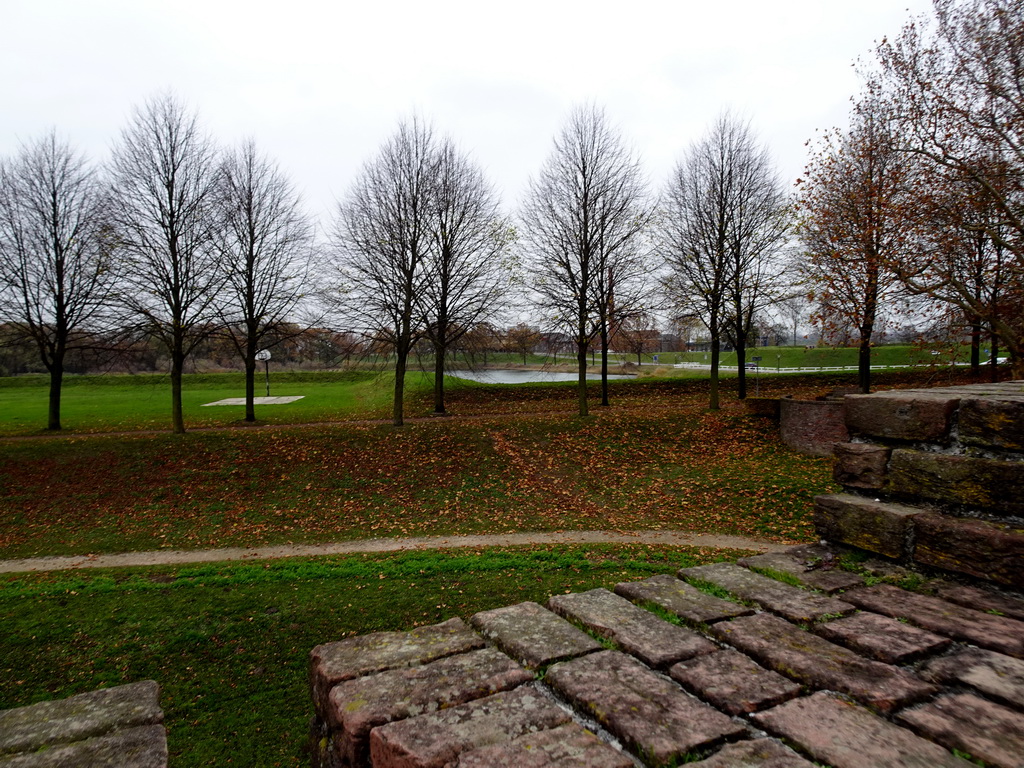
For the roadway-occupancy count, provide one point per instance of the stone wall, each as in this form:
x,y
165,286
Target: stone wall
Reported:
x,y
934,477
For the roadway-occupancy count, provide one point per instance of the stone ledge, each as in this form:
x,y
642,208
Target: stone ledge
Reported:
x,y
861,465
984,550
877,526
965,481
533,635
919,415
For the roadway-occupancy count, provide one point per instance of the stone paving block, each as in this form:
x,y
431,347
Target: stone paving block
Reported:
x,y
652,716
997,633
533,635
733,682
971,724
992,423
790,602
357,706
973,482
985,550
882,638
877,526
861,465
997,676
760,753
815,662
654,641
143,746
848,736
688,603
903,415
437,739
812,427
80,717
568,746
978,598
824,579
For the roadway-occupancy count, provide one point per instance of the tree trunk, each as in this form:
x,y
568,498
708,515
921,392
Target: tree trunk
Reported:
x,y
177,368
400,365
250,387
604,364
581,387
715,353
864,363
56,381
439,352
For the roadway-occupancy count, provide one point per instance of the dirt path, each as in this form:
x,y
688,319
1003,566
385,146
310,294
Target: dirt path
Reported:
x,y
180,557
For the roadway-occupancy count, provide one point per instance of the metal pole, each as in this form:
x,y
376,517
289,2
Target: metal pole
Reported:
x,y
266,364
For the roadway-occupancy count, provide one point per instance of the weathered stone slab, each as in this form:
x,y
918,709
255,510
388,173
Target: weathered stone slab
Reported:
x,y
981,549
972,724
824,579
996,633
688,603
357,706
882,638
814,661
997,676
978,598
993,423
759,753
638,632
845,735
332,663
143,746
793,603
568,746
435,740
861,465
904,415
876,526
533,635
733,682
972,482
812,427
75,718
650,715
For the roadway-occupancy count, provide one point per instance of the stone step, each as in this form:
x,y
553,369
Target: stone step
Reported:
x,y
759,753
568,746
845,735
360,705
978,598
796,563
652,716
733,683
332,663
997,633
789,602
974,725
533,635
997,676
638,632
882,638
437,739
676,596
143,746
817,663
877,526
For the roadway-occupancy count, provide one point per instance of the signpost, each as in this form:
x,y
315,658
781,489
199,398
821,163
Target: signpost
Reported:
x,y
264,355
757,376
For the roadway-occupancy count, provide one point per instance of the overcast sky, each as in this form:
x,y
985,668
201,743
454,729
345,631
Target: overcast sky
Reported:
x,y
320,84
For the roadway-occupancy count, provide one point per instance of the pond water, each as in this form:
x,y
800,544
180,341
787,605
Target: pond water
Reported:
x,y
525,377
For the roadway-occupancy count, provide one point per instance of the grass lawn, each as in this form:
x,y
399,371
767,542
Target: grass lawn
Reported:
x,y
229,644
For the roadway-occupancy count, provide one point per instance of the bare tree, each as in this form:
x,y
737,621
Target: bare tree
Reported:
x,y
164,185
265,240
583,218
56,274
468,269
383,240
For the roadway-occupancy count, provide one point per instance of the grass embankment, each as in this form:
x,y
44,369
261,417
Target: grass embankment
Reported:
x,y
229,644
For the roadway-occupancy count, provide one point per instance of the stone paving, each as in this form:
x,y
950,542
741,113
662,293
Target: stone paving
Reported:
x,y
717,666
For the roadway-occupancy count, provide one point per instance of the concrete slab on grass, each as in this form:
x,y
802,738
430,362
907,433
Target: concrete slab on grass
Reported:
x,y
256,400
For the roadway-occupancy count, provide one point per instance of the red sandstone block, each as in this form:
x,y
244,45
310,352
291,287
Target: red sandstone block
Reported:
x,y
903,415
436,740
966,722
353,657
993,422
759,753
980,484
533,635
638,632
793,603
848,736
812,427
651,715
568,746
861,522
733,682
861,465
979,598
985,550
688,603
817,663
882,638
997,676
996,633
796,563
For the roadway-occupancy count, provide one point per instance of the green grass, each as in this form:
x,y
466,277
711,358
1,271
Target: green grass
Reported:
x,y
229,643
